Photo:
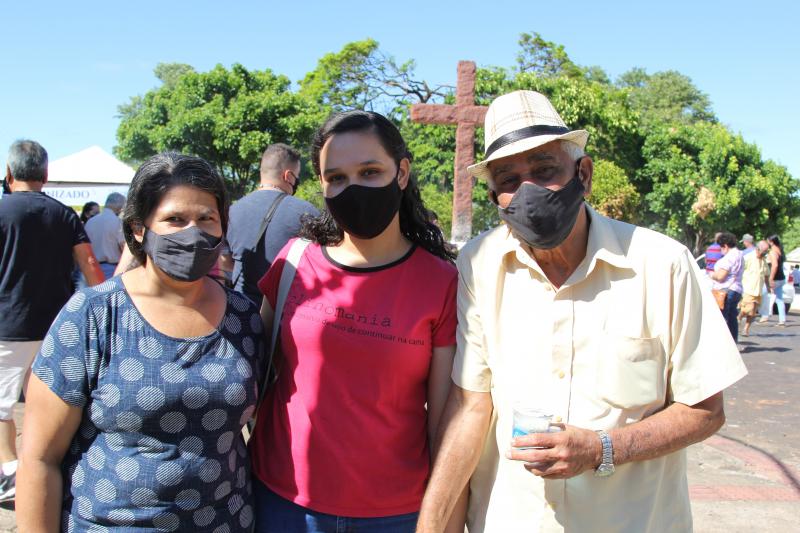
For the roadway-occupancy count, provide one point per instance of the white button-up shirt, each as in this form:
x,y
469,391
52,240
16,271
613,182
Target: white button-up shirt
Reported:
x,y
630,332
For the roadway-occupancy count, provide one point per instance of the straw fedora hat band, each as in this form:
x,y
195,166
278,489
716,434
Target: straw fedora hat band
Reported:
x,y
524,133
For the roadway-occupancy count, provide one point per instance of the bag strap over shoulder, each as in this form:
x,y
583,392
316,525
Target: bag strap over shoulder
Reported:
x,y
287,276
262,229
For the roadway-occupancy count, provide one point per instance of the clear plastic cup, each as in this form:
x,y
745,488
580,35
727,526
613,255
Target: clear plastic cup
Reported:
x,y
529,420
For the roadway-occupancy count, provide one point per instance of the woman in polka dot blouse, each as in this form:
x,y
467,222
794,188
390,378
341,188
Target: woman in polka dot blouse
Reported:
x,y
143,383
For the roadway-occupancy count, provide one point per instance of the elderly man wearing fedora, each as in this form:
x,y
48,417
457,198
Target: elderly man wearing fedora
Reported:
x,y
601,400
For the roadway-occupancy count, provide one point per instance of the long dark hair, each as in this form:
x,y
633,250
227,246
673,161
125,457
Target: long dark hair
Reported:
x,y
774,239
88,206
158,175
415,221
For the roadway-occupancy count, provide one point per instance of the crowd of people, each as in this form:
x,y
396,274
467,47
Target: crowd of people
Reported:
x,y
748,282
269,367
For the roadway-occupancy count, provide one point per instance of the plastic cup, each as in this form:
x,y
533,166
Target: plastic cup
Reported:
x,y
529,420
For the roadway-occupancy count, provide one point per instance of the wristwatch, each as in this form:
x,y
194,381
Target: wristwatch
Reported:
x,y
606,468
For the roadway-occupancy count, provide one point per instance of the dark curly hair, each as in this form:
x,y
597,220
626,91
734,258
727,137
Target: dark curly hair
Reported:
x,y
415,221
158,175
727,239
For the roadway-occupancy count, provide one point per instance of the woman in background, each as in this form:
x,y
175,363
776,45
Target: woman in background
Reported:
x,y
727,276
89,210
777,277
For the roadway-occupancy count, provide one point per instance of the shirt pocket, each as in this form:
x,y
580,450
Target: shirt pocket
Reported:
x,y
631,371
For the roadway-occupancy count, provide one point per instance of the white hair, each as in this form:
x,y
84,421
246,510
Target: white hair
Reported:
x,y
574,151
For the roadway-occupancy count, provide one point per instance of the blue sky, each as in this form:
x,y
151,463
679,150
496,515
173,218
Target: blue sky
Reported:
x,y
67,65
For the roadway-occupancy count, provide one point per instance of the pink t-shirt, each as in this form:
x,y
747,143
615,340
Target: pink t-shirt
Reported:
x,y
344,429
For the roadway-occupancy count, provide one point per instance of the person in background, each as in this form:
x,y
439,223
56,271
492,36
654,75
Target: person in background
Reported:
x,y
727,276
143,384
105,233
747,242
343,440
777,278
796,275
90,209
540,325
713,254
754,278
40,240
263,221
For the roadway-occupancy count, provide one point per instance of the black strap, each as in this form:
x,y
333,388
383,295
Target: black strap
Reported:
x,y
524,133
263,229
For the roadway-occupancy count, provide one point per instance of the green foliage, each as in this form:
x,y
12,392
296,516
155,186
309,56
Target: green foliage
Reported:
x,y
544,58
613,195
791,237
484,212
665,97
170,73
660,157
441,203
705,179
227,116
342,80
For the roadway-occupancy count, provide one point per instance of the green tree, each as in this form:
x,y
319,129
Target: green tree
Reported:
x,y
226,116
665,97
362,76
791,236
544,58
613,194
706,179
170,73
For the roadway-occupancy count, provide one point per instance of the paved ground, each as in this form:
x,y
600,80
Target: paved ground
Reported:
x,y
746,478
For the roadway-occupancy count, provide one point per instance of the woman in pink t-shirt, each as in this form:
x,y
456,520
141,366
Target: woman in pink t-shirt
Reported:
x,y
367,342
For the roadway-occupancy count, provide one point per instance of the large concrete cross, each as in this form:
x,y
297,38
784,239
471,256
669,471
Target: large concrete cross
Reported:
x,y
466,115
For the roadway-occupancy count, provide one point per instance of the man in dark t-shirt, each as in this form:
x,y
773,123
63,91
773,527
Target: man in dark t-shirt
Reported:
x,y
254,247
39,240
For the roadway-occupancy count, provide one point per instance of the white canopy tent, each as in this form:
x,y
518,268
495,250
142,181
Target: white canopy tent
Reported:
x,y
793,256
87,176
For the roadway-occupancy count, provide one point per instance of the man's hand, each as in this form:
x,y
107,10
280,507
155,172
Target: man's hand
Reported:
x,y
560,455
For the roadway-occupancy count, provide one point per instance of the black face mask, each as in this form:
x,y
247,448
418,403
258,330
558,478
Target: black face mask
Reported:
x,y
543,218
186,255
364,212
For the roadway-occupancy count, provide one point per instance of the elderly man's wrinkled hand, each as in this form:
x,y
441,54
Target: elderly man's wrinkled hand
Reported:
x,y
558,455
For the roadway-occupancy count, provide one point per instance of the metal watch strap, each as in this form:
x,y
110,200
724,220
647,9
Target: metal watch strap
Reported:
x,y
608,451
606,467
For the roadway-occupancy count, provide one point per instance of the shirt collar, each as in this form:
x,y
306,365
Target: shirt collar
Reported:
x,y
602,245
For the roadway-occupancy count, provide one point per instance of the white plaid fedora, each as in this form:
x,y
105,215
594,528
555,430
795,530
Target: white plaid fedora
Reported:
x,y
520,121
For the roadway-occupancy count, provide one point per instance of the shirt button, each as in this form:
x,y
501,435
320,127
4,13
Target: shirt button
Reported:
x,y
561,374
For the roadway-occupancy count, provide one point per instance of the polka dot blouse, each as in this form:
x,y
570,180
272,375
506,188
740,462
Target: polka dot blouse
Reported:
x,y
159,447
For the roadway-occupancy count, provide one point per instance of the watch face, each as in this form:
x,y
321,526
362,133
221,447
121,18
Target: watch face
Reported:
x,y
604,470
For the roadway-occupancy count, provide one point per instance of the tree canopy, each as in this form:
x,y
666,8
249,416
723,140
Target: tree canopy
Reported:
x,y
661,157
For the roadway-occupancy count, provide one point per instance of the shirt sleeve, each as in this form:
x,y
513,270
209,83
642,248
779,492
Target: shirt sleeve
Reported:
x,y
470,366
725,262
69,356
704,360
444,330
268,284
78,232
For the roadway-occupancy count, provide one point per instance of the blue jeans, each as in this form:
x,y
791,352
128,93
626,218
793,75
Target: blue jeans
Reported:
x,y
731,313
277,515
